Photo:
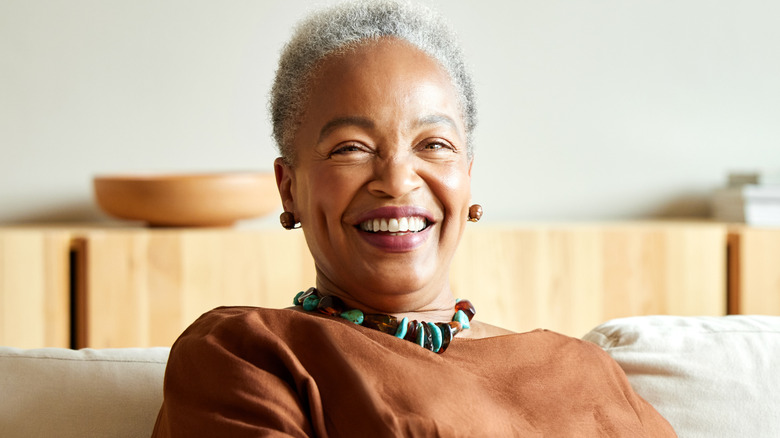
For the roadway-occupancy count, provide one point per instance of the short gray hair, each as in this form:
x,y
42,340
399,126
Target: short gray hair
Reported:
x,y
340,27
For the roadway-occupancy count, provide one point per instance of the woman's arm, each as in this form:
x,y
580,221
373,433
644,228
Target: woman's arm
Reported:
x,y
226,379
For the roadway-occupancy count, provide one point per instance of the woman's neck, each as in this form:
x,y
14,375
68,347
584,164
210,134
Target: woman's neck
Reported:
x,y
431,307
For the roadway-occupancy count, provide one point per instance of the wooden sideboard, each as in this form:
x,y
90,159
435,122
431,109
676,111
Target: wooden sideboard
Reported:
x,y
96,286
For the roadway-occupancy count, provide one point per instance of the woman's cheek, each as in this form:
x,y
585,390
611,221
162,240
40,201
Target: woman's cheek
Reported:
x,y
456,180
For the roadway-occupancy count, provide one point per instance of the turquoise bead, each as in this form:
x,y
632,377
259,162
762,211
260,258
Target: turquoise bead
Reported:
x,y
295,300
420,335
354,315
310,303
401,332
461,317
436,336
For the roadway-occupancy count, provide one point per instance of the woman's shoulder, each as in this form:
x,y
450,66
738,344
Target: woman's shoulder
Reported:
x,y
536,345
481,330
230,324
236,315
231,315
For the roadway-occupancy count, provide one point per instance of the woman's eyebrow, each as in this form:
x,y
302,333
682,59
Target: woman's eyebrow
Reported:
x,y
338,122
436,119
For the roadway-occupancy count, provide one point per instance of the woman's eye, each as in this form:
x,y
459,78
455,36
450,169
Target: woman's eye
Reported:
x,y
437,146
345,149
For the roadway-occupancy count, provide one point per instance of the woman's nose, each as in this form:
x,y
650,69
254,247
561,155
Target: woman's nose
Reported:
x,y
394,177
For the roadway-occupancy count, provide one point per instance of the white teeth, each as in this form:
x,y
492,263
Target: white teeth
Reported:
x,y
394,225
403,225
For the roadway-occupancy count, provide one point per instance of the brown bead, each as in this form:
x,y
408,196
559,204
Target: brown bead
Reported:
x,y
475,213
428,337
456,327
446,336
411,331
330,305
383,323
466,307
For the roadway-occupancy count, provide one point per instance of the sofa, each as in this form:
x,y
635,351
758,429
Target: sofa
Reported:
x,y
709,376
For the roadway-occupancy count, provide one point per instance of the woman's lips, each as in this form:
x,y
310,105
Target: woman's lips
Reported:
x,y
396,242
395,229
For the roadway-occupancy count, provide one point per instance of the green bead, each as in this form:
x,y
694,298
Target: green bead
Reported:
x,y
310,303
401,332
354,315
435,336
295,300
420,335
461,317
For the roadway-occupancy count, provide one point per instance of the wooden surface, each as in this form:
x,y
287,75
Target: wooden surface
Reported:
x,y
34,288
140,287
572,278
758,277
144,287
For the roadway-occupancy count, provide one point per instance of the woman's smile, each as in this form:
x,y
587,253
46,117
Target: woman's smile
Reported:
x,y
395,229
395,226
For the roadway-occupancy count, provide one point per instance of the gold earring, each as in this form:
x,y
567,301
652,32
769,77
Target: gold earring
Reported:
x,y
288,221
475,213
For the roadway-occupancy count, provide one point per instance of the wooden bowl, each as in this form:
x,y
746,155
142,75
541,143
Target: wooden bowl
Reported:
x,y
188,200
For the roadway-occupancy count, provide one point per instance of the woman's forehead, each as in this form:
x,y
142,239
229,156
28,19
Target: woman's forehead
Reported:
x,y
384,75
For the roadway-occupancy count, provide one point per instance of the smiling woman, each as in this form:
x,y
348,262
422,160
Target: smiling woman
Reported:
x,y
373,113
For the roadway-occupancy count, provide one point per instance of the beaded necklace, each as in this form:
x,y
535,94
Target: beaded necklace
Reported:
x,y
434,336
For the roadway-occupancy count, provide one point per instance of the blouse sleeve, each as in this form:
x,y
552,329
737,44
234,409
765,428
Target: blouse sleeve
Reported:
x,y
229,379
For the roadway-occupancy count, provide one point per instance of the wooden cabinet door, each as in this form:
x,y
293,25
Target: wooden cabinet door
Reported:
x,y
34,288
144,287
754,270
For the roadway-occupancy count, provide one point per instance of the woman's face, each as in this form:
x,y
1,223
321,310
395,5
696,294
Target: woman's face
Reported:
x,y
381,180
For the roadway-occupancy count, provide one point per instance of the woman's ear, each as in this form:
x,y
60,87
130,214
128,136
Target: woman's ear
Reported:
x,y
285,182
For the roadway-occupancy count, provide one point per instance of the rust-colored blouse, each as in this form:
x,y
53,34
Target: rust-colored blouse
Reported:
x,y
250,372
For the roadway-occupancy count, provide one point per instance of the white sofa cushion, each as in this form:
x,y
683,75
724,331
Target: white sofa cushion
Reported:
x,y
56,392
709,376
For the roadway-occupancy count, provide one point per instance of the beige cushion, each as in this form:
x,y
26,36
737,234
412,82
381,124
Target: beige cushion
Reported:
x,y
709,376
53,392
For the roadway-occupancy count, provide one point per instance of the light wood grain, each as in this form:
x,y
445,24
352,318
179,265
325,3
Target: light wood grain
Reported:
x,y
571,278
759,276
34,288
144,287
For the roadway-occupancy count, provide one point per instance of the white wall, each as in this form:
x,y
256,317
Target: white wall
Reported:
x,y
589,110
